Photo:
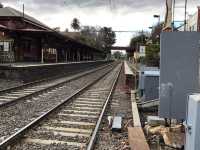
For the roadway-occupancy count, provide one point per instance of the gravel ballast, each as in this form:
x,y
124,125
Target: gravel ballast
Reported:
x,y
21,113
104,83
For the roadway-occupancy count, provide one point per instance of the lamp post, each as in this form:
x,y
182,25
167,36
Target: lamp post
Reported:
x,y
157,16
151,28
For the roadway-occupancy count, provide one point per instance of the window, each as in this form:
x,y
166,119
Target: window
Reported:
x,y
1,46
6,45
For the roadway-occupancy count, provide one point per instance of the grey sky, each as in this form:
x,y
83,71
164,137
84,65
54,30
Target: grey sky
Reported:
x,y
121,15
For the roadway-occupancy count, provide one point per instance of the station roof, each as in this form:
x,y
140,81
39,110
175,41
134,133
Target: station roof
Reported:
x,y
13,13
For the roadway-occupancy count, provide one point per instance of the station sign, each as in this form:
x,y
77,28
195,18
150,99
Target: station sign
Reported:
x,y
142,51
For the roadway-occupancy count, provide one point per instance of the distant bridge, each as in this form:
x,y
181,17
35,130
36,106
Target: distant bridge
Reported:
x,y
122,48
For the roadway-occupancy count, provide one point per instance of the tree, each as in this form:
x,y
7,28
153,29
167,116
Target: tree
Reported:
x,y
118,55
101,38
89,31
152,52
1,5
75,24
153,55
66,30
155,34
140,39
108,38
89,35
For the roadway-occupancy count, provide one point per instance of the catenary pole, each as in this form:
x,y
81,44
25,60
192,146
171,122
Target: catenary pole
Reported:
x,y
185,21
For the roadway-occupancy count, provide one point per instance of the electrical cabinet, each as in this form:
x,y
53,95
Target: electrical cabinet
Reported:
x,y
179,72
193,123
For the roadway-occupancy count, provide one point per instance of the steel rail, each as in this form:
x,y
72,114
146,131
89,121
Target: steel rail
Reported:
x,y
91,144
11,140
54,86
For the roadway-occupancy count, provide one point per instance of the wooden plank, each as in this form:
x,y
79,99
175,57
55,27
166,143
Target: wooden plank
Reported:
x,y
65,134
136,116
73,130
82,112
8,97
79,115
74,123
89,99
86,108
5,99
89,102
87,105
137,139
49,142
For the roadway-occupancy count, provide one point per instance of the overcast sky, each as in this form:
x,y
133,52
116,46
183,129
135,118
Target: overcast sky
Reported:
x,y
131,15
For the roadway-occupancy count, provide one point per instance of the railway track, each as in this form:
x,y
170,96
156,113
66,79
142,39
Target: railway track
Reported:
x,y
14,94
72,124
21,112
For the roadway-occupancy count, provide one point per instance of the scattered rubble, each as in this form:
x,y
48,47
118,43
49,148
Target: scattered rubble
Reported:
x,y
117,123
168,136
155,121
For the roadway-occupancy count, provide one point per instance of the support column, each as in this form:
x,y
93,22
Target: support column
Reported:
x,y
56,55
78,55
86,56
69,55
66,56
42,55
72,55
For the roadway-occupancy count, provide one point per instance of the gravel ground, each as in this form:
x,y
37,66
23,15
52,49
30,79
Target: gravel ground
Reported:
x,y
18,115
153,140
5,84
34,133
120,105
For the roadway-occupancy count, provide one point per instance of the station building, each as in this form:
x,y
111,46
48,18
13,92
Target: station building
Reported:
x,y
25,39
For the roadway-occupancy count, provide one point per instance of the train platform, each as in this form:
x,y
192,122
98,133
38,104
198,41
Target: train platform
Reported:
x,y
30,71
129,75
128,70
37,64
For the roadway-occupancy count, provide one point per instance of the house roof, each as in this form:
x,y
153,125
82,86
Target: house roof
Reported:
x,y
11,12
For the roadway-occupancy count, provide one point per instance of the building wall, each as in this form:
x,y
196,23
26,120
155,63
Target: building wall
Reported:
x,y
30,40
192,22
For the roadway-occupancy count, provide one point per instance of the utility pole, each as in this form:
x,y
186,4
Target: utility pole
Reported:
x,y
23,10
185,21
174,4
